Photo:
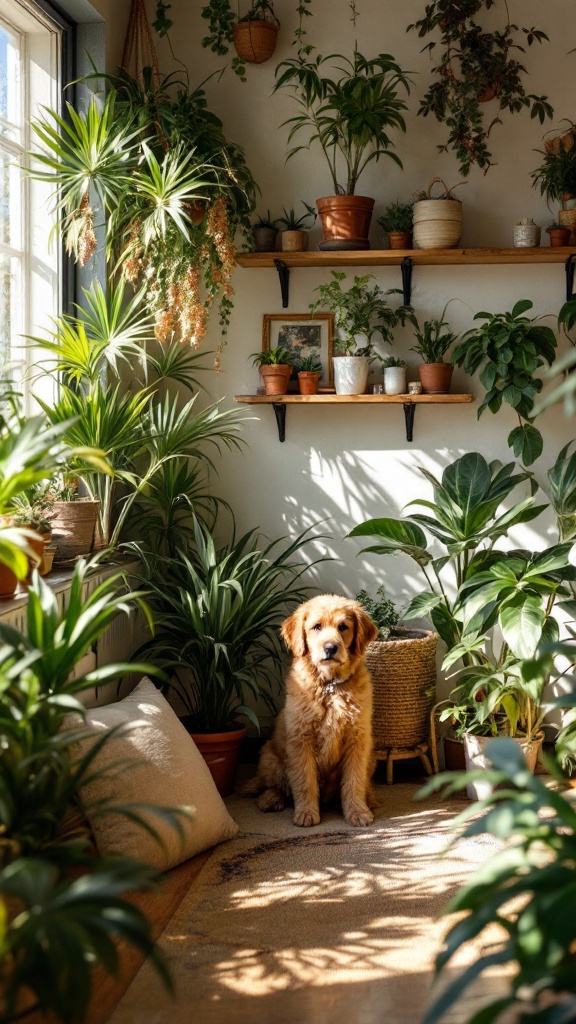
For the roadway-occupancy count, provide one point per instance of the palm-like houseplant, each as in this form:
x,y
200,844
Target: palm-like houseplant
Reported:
x,y
140,431
172,189
433,340
351,113
475,66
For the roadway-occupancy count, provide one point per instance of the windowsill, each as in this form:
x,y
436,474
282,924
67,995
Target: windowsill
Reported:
x,y
59,580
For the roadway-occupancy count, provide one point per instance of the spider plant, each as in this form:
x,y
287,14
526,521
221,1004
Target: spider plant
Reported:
x,y
217,611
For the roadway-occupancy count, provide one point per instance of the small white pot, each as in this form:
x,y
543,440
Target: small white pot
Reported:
x,y
395,380
475,755
350,374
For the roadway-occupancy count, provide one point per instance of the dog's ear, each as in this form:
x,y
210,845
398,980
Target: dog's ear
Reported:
x,y
292,632
365,632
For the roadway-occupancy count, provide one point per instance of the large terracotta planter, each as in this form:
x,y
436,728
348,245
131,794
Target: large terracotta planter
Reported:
x,y
255,41
345,221
435,377
220,751
276,378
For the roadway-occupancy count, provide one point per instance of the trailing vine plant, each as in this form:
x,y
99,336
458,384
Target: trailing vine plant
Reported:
x,y
221,21
475,66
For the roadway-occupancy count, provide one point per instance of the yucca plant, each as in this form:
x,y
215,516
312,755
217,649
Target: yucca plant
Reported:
x,y
217,611
136,429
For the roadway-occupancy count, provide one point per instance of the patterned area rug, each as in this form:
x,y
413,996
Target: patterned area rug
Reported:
x,y
290,926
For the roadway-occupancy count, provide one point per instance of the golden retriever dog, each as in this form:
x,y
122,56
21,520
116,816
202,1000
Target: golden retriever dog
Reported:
x,y
321,746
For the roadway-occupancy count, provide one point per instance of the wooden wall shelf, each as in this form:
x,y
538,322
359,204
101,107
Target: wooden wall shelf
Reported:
x,y
409,403
406,259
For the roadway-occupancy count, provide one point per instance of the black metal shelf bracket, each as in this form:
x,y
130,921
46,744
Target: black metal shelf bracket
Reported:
x,y
280,414
409,411
406,269
569,267
284,275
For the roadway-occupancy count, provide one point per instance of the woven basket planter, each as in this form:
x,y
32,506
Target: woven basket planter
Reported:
x,y
73,528
402,671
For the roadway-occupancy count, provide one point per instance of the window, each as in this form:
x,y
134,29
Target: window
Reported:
x,y
30,264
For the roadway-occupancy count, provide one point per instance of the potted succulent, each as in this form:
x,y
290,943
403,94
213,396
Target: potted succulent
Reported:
x,y
217,612
264,231
434,338
253,35
402,663
437,220
294,237
33,509
560,234
309,373
360,312
275,366
509,349
397,223
475,66
351,113
394,375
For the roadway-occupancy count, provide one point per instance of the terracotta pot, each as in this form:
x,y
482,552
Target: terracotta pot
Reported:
x,y
8,582
220,751
73,527
308,382
276,378
454,759
294,241
345,221
560,236
255,41
264,239
47,559
38,544
400,239
435,377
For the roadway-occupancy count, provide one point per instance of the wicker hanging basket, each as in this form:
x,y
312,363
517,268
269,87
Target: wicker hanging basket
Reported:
x,y
403,674
255,41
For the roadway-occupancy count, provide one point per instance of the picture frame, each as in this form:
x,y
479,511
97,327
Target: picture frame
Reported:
x,y
302,334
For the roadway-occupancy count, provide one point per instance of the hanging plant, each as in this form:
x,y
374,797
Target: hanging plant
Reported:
x,y
156,167
226,29
474,67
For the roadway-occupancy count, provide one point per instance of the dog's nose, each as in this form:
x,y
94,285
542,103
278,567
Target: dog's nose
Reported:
x,y
330,650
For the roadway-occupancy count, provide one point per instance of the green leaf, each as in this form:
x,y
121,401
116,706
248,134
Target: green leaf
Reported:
x,y
521,619
527,443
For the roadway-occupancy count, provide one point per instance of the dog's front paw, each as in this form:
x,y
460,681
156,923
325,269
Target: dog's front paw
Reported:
x,y
272,800
307,816
359,817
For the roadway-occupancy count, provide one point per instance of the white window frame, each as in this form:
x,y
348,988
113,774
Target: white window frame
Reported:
x,y
38,279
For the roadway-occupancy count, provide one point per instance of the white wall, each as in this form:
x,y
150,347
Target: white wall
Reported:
x,y
342,465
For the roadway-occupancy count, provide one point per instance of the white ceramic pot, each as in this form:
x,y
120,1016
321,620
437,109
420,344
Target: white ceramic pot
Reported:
x,y
350,374
395,380
475,755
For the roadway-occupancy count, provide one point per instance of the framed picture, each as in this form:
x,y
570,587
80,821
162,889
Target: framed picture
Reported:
x,y
302,335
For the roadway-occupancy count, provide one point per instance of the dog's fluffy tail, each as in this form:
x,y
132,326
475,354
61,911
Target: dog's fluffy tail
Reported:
x,y
253,787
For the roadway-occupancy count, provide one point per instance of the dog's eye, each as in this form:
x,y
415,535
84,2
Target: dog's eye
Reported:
x,y
317,626
342,627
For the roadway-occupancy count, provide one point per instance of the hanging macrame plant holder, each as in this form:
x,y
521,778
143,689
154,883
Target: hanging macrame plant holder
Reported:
x,y
139,52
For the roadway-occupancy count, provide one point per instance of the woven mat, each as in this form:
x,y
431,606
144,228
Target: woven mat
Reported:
x,y
290,926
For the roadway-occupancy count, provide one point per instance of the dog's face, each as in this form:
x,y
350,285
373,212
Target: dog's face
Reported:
x,y
333,632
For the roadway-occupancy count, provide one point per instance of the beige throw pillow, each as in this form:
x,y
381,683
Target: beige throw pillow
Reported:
x,y
158,764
